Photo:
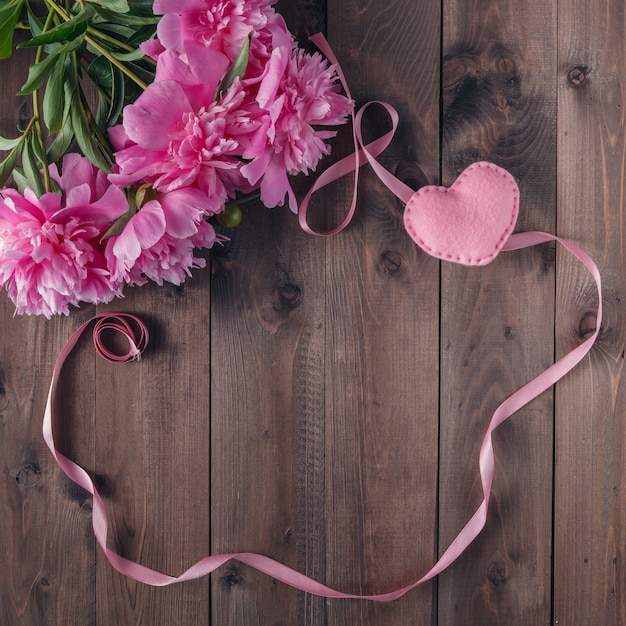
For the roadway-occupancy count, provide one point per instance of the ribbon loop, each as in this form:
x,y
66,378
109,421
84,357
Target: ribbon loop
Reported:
x,y
130,327
362,153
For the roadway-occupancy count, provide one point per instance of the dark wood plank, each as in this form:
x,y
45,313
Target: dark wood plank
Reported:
x,y
49,554
382,331
267,321
153,456
268,325
497,321
590,504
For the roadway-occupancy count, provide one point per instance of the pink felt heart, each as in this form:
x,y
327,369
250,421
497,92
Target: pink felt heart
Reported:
x,y
469,222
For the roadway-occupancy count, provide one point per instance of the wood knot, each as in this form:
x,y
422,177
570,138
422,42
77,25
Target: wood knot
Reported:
x,y
411,174
391,261
548,258
28,476
288,295
104,484
231,578
577,75
24,115
587,325
4,401
497,573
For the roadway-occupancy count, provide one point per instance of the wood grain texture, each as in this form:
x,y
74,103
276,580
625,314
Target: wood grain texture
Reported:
x,y
153,456
267,320
590,498
323,401
45,537
497,322
49,552
382,346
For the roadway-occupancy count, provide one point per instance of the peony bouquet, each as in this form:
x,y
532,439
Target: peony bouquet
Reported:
x,y
150,120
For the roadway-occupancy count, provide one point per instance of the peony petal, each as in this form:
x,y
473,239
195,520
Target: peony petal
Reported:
x,y
152,48
200,66
275,184
254,170
76,170
183,209
78,196
168,31
118,137
161,106
168,6
148,224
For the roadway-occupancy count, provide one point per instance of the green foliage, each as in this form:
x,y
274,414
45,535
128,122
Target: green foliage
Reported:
x,y
38,72
97,41
67,31
237,69
9,14
6,166
53,99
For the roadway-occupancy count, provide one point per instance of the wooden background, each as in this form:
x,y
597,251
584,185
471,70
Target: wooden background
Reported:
x,y
323,401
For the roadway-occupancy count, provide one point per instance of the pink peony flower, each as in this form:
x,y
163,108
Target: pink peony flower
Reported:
x,y
49,247
176,136
159,240
221,25
308,96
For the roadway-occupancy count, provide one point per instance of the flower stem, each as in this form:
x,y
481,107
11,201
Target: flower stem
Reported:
x,y
115,42
103,51
37,115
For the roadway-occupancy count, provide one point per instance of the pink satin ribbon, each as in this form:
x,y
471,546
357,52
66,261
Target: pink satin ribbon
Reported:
x,y
136,334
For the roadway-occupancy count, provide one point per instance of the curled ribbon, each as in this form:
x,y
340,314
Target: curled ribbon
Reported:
x,y
125,323
135,332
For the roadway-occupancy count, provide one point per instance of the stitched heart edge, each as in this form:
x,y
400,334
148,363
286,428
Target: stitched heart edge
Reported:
x,y
464,259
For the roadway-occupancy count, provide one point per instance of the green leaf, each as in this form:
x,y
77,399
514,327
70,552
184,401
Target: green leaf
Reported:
x,y
53,101
146,75
61,143
110,80
7,166
99,71
129,56
84,138
141,7
9,144
20,179
237,69
64,138
120,223
117,97
116,6
141,34
68,31
9,15
31,167
123,32
102,110
38,72
125,18
36,25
